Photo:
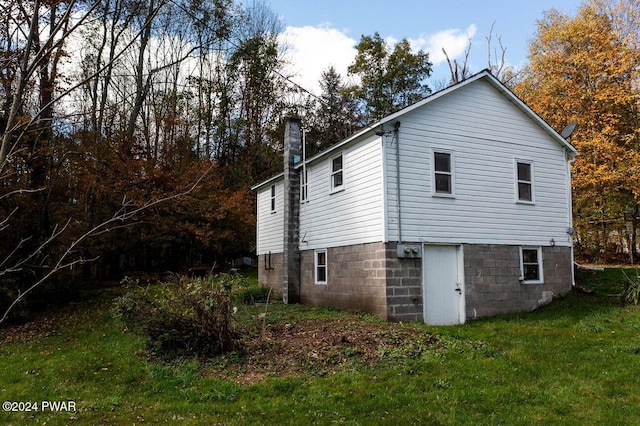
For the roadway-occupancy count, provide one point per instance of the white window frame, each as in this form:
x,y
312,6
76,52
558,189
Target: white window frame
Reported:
x,y
333,173
272,199
540,279
518,181
450,173
304,178
316,265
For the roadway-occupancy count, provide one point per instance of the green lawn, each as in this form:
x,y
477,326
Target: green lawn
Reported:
x,y
574,362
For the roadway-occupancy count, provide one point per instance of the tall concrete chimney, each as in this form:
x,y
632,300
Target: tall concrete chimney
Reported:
x,y
291,267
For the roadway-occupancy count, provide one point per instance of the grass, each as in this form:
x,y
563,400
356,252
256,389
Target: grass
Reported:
x,y
576,361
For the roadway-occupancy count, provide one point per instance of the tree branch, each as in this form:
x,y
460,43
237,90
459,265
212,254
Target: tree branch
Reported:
x,y
120,216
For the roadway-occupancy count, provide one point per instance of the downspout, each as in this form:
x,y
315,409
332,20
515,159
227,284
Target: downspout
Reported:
x,y
302,188
571,231
395,135
385,189
570,157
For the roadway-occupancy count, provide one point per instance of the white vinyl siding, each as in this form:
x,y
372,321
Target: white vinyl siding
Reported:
x,y
485,141
487,135
270,225
354,215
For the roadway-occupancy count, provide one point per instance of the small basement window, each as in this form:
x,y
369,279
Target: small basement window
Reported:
x,y
321,266
531,264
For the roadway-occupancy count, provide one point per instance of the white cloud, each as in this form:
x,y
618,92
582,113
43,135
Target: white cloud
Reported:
x,y
312,50
454,41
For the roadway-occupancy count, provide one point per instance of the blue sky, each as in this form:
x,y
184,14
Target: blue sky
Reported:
x,y
323,32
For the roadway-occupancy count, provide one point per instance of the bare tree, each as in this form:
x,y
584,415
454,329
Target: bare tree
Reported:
x,y
496,61
459,72
35,56
37,34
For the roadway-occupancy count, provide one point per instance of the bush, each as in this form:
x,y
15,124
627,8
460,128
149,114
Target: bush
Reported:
x,y
252,293
632,292
188,318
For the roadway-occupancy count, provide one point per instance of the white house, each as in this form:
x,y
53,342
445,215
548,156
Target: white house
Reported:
x,y
456,207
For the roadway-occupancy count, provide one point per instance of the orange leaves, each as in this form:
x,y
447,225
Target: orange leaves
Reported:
x,y
586,68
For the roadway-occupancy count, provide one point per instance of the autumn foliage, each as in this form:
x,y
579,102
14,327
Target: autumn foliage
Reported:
x,y
585,69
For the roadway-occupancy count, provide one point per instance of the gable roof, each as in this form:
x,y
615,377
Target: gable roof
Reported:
x,y
482,75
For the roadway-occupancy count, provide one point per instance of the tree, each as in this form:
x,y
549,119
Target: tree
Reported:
x,y
107,144
389,79
259,94
496,63
333,116
586,69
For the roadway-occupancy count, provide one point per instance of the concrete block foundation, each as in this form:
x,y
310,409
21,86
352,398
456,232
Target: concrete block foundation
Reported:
x,y
492,284
371,278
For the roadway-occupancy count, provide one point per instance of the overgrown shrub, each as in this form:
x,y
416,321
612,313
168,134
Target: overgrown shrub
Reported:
x,y
187,318
252,293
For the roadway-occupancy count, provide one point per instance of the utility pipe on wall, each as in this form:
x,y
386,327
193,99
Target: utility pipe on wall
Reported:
x,y
396,127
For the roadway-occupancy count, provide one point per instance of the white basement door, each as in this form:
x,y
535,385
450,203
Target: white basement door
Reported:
x,y
443,285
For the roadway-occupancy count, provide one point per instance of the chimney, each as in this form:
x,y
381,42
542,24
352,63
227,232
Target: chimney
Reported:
x,y
291,267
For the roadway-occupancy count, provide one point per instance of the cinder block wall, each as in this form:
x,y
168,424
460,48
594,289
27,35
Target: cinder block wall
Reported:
x,y
270,274
404,286
491,279
366,278
355,279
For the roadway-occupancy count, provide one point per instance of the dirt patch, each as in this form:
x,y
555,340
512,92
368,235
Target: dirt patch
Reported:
x,y
27,332
318,347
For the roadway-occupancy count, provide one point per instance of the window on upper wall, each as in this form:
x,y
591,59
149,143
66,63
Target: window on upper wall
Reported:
x,y
337,172
443,173
273,198
320,263
531,265
304,177
524,181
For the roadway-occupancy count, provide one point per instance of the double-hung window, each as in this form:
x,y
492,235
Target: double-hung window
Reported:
x,y
524,181
443,173
531,264
337,172
320,266
273,198
304,177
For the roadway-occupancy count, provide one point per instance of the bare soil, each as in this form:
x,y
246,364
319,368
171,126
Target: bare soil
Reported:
x,y
318,347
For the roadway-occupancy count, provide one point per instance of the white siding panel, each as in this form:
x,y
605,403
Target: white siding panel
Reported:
x,y
354,215
270,228
486,133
